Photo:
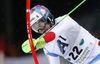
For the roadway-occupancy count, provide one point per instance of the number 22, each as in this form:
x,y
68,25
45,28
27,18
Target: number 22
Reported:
x,y
77,51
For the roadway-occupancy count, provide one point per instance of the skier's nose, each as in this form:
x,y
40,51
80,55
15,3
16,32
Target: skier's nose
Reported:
x,y
41,31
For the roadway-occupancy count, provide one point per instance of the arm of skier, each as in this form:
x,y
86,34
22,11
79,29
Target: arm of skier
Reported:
x,y
38,43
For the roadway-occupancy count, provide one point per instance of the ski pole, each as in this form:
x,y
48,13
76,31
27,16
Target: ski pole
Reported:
x,y
62,18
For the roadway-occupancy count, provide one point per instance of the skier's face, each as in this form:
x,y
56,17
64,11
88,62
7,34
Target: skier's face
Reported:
x,y
45,29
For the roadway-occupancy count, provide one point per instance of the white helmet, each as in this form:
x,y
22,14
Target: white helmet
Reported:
x,y
39,17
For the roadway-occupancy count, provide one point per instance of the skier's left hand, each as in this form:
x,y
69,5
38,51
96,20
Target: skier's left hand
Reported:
x,y
38,44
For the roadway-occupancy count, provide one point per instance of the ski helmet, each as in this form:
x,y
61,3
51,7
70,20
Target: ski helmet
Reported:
x,y
39,17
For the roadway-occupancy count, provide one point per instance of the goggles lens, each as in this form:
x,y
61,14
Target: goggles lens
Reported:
x,y
38,25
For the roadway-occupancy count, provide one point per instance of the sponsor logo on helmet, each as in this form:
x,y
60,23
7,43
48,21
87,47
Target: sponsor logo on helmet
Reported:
x,y
32,19
37,16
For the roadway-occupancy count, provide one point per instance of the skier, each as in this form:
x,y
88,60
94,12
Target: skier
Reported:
x,y
67,39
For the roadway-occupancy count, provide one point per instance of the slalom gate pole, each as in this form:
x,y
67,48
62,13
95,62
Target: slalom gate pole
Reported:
x,y
29,31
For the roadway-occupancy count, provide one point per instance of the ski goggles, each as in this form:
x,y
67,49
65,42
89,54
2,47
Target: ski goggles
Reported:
x,y
39,25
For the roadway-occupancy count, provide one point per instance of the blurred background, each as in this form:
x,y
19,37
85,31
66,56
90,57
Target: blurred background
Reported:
x,y
13,30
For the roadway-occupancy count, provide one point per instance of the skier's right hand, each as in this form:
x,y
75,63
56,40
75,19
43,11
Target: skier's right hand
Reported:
x,y
38,44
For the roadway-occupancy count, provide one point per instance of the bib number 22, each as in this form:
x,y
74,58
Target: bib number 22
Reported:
x,y
78,52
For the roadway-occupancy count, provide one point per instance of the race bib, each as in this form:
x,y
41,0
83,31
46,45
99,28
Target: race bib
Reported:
x,y
81,49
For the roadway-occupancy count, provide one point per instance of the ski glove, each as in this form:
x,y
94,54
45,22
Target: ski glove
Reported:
x,y
38,44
